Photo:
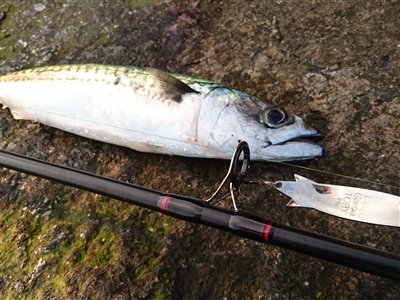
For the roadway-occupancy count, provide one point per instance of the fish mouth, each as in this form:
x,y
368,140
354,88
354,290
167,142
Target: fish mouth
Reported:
x,y
300,147
305,138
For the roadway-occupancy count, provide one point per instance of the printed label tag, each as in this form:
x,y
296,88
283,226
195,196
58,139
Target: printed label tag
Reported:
x,y
343,201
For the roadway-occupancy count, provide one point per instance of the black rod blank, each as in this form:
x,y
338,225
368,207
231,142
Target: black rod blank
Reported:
x,y
198,211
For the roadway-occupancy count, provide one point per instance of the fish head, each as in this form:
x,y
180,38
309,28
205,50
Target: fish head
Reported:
x,y
272,133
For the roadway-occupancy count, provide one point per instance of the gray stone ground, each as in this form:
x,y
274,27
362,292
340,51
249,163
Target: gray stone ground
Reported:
x,y
335,63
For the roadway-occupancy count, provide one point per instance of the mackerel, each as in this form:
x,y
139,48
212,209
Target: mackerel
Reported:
x,y
149,110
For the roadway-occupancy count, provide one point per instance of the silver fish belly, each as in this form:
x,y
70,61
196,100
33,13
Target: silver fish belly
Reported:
x,y
152,111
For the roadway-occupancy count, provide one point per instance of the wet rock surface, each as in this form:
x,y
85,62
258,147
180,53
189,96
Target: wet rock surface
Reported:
x,y
335,64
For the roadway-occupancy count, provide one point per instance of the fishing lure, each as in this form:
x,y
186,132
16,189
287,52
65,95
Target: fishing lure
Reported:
x,y
152,111
343,201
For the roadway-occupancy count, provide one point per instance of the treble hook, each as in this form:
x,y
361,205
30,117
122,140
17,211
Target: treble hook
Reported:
x,y
235,177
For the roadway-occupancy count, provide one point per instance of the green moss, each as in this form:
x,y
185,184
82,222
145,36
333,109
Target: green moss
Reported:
x,y
98,248
102,250
103,39
103,209
34,228
10,256
320,295
17,233
7,216
158,295
58,284
152,261
23,236
76,252
21,199
9,41
142,273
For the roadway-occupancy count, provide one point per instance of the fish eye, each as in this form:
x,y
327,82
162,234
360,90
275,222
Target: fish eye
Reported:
x,y
275,117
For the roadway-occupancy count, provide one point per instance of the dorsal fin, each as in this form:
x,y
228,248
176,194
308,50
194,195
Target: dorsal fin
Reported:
x,y
171,86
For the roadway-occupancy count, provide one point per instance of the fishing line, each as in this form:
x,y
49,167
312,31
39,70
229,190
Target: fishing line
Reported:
x,y
335,174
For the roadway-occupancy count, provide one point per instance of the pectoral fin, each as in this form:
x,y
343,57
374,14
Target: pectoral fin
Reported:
x,y
171,86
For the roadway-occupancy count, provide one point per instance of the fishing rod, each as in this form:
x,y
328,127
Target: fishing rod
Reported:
x,y
203,212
